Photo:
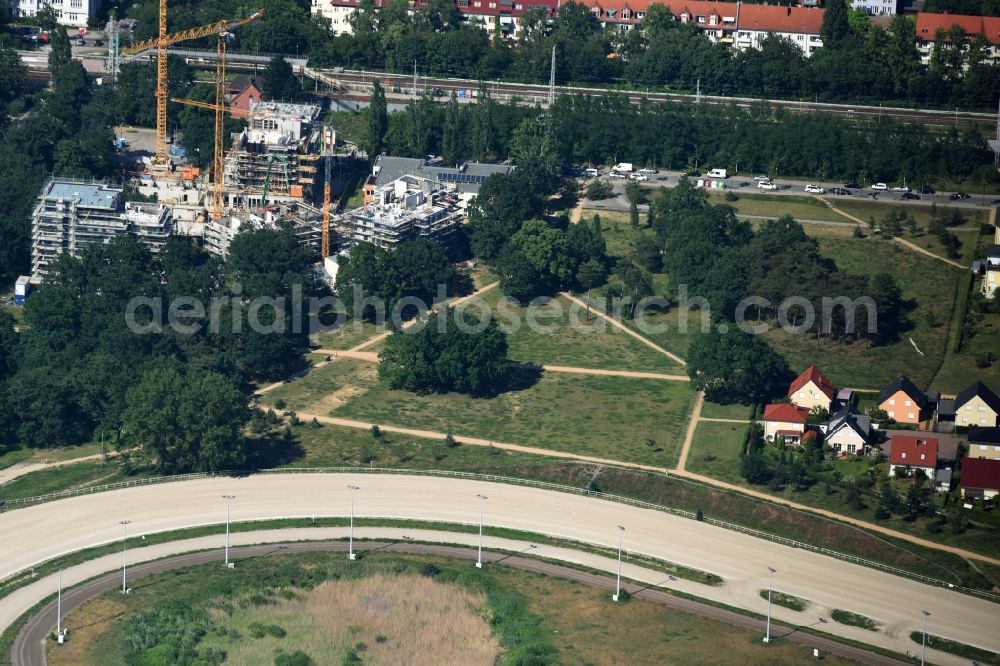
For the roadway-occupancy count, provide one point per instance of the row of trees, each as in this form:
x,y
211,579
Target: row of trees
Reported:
x,y
175,398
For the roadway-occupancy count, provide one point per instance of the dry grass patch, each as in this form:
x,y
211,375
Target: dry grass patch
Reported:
x,y
384,618
87,627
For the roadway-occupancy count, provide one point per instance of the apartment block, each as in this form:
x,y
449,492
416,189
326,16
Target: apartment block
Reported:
x,y
73,13
406,209
71,214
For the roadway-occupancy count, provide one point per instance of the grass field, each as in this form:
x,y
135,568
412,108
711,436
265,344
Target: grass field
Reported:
x,y
326,388
574,623
713,410
715,450
928,286
862,209
78,475
349,334
959,370
563,335
636,420
802,207
14,457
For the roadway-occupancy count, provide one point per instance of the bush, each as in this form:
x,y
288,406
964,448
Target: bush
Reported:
x,y
731,196
699,516
376,431
279,403
450,441
314,423
600,189
275,631
297,658
381,638
853,619
961,305
624,595
985,360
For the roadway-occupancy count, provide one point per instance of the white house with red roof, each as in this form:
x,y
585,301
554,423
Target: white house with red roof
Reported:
x,y
812,389
915,453
980,478
788,421
928,26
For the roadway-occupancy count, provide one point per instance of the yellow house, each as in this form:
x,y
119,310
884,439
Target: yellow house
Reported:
x,y
977,406
984,443
811,389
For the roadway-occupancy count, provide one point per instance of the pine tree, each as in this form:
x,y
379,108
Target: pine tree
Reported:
x,y
378,122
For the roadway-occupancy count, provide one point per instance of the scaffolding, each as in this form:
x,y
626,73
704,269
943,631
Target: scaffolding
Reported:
x,y
406,209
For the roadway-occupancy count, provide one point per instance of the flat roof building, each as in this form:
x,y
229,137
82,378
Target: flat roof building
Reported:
x,y
405,209
71,214
306,221
464,179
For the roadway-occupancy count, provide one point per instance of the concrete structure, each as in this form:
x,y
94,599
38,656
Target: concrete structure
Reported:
x,y
991,269
848,432
405,209
279,148
915,453
903,401
980,478
71,214
68,12
339,13
785,420
464,179
930,25
306,221
978,406
811,389
984,443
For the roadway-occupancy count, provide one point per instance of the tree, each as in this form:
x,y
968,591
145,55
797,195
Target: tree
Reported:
x,y
60,50
378,122
424,269
756,469
547,252
633,214
888,299
13,74
279,81
599,189
368,282
591,272
457,354
451,132
186,422
836,27
735,366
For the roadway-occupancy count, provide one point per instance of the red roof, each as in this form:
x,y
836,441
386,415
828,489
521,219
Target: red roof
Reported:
x,y
981,473
786,413
928,25
907,450
812,374
772,18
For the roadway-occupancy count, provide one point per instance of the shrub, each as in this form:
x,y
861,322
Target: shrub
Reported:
x,y
600,189
275,631
376,431
731,196
699,516
297,658
450,441
429,570
785,600
256,630
381,638
314,423
623,595
853,619
279,403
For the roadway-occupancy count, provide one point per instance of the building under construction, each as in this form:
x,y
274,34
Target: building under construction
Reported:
x,y
276,158
405,209
71,214
306,222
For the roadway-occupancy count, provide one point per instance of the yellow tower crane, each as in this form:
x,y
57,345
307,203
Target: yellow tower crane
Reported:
x,y
328,141
160,43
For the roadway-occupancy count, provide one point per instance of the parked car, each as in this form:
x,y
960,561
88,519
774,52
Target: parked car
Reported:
x,y
98,42
841,191
766,185
693,174
815,189
648,171
762,179
959,195
911,196
591,173
853,184
639,176
81,41
745,183
901,188
927,189
880,187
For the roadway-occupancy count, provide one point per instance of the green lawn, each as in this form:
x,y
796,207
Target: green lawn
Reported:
x,y
77,475
929,287
563,335
960,369
350,333
323,389
863,209
800,207
636,420
14,457
715,450
713,410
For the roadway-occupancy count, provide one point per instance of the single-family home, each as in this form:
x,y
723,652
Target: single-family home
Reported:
x,y
942,480
984,443
977,405
903,401
848,432
980,478
914,452
811,389
242,93
788,421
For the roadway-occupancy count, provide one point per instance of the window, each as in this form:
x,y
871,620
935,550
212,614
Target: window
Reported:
x,y
891,414
892,401
968,408
983,447
923,457
909,404
802,394
903,456
965,419
982,408
910,415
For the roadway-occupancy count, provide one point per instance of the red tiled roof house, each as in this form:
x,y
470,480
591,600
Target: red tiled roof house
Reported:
x,y
980,478
811,389
915,453
786,420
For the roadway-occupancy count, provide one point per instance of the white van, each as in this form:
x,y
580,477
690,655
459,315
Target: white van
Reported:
x,y
622,167
717,173
591,173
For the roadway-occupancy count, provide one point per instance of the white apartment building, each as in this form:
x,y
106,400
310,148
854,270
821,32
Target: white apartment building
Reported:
x,y
73,13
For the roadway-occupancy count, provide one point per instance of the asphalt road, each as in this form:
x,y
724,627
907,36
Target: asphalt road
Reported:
x,y
743,184
64,526
29,645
